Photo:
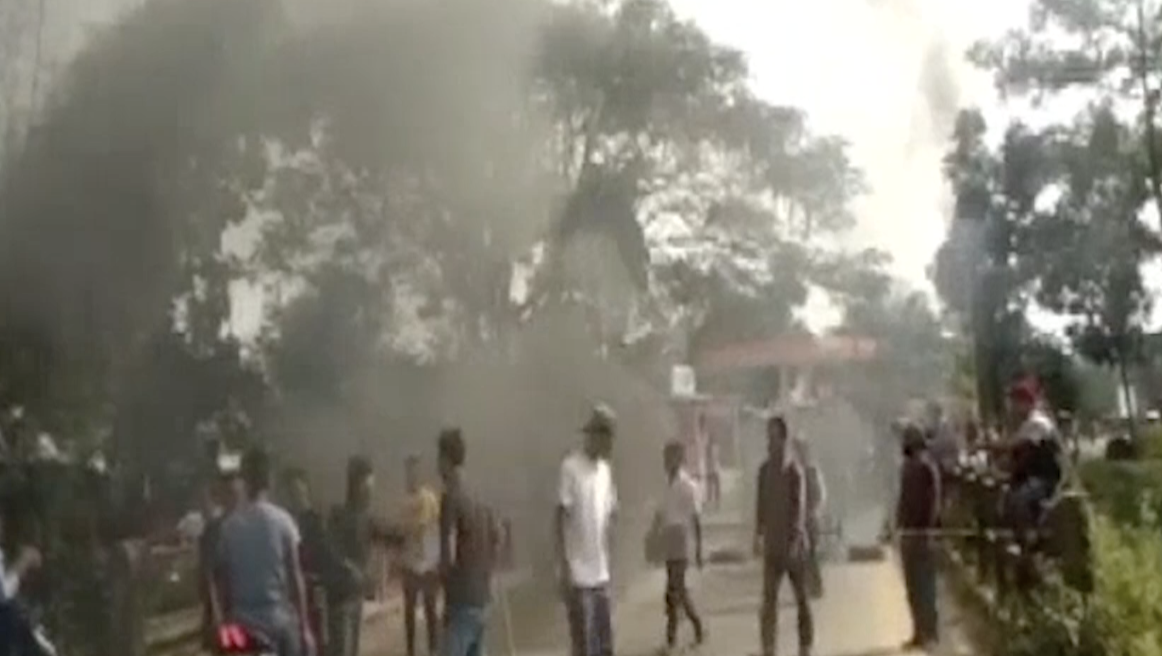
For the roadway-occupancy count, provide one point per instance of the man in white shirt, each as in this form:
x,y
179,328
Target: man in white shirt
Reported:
x,y
681,525
587,504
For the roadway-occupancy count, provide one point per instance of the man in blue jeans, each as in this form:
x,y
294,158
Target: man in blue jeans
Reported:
x,y
587,504
469,543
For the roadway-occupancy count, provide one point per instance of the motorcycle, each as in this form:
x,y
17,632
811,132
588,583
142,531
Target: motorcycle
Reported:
x,y
237,640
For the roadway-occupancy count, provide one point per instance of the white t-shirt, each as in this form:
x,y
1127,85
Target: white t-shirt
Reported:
x,y
589,499
1037,428
680,506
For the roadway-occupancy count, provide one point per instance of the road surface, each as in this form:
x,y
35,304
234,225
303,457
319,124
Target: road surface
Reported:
x,y
863,612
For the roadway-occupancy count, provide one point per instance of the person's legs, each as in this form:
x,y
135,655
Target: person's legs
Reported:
x,y
602,622
464,632
688,605
773,570
814,572
797,573
345,619
908,564
925,574
355,620
431,592
411,589
672,601
575,613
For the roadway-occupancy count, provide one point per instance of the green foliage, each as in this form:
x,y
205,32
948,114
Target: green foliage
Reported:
x,y
1121,617
1130,493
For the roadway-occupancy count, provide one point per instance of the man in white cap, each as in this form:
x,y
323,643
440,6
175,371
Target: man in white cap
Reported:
x,y
586,507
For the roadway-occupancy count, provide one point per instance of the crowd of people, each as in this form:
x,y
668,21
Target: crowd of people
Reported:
x,y
285,575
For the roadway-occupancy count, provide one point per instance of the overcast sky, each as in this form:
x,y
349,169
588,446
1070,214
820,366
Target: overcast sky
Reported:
x,y
888,75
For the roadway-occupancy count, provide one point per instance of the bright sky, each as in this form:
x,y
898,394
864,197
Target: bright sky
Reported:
x,y
857,68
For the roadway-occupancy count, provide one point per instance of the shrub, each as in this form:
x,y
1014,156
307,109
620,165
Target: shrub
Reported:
x,y
1123,616
1130,493
1150,442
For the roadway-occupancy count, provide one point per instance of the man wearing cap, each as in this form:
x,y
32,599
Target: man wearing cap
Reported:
x,y
917,514
586,507
1034,455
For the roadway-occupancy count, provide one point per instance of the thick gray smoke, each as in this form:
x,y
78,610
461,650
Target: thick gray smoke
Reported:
x,y
939,92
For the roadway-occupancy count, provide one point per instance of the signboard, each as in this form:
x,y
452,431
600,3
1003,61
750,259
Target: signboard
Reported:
x,y
682,381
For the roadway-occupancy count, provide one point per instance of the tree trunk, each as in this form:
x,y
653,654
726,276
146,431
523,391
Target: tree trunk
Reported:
x,y
1124,375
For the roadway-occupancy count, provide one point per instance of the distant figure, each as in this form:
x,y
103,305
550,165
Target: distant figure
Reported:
x,y
816,502
681,526
781,536
469,546
261,584
421,579
713,473
586,511
917,513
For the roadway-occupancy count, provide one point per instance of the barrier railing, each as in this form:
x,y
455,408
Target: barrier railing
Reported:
x,y
1010,559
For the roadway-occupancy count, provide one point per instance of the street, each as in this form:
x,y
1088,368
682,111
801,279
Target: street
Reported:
x,y
863,613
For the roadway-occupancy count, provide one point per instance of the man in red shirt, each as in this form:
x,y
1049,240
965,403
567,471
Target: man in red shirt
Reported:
x,y
917,515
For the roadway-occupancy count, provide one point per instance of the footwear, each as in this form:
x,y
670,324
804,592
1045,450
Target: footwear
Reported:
x,y
913,643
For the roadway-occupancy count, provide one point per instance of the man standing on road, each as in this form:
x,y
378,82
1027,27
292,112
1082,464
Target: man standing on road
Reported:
x,y
260,585
587,505
681,525
781,536
469,543
354,531
917,514
320,562
421,580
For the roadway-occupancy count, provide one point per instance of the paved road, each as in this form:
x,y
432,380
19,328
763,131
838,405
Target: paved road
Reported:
x,y
864,612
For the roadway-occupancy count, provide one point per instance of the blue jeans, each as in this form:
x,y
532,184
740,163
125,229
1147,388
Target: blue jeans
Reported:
x,y
590,625
464,631
919,563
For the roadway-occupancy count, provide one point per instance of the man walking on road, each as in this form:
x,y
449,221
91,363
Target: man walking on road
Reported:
x,y
681,526
260,585
469,544
917,514
587,505
781,536
421,580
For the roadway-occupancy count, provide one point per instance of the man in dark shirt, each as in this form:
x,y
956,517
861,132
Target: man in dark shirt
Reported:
x,y
320,560
467,567
781,536
225,493
917,514
353,531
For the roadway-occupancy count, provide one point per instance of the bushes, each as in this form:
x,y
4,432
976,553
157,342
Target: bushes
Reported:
x,y
1130,493
1123,616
